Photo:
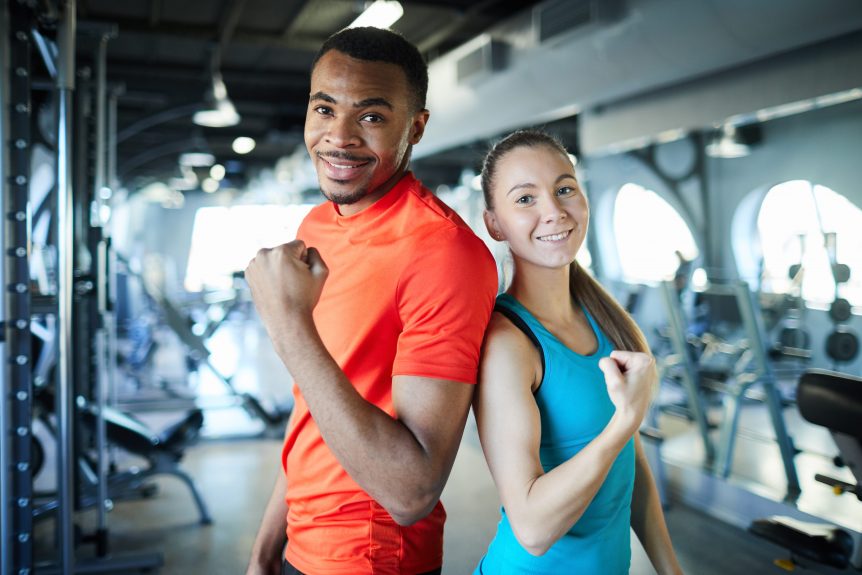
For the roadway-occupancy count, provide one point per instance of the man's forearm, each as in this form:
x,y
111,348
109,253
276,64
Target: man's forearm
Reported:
x,y
271,536
379,452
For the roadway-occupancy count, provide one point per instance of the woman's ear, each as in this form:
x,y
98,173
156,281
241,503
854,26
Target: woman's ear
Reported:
x,y
491,225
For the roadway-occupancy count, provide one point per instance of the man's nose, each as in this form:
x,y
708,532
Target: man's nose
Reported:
x,y
341,133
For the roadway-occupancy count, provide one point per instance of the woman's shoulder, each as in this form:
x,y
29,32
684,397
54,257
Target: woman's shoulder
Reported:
x,y
508,351
502,332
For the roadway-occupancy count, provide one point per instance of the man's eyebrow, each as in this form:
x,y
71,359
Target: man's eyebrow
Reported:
x,y
322,96
368,102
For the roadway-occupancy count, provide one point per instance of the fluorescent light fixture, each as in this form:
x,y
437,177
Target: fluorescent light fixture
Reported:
x,y
380,14
223,115
243,145
159,193
220,112
197,160
728,144
182,184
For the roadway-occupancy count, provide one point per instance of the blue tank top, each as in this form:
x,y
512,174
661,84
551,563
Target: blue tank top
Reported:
x,y
574,407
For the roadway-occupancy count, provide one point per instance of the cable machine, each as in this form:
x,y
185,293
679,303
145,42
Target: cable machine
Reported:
x,y
16,486
78,299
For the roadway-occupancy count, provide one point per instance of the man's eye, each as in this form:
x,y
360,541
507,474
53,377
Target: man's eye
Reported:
x,y
372,118
324,110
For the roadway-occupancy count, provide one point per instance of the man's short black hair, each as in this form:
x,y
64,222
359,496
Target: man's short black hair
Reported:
x,y
377,45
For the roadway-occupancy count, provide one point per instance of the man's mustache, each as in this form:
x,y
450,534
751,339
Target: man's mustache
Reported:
x,y
336,155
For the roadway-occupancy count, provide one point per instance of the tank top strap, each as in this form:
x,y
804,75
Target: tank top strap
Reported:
x,y
519,322
508,302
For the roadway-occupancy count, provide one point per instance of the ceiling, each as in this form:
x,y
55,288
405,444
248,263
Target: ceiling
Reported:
x,y
159,64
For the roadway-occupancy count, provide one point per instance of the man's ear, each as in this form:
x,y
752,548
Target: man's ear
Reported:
x,y
492,226
417,129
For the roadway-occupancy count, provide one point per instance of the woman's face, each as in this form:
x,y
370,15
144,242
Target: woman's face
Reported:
x,y
539,207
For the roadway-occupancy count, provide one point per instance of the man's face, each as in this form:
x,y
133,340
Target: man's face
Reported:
x,y
359,127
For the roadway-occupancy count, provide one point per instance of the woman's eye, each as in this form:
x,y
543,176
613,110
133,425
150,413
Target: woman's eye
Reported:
x,y
524,200
565,191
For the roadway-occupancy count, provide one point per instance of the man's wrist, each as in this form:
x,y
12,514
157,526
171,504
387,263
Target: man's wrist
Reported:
x,y
295,323
294,332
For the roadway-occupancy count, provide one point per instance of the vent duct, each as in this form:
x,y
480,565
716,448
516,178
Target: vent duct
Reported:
x,y
558,17
488,57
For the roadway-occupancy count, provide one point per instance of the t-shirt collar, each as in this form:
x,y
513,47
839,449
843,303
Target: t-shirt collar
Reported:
x,y
406,182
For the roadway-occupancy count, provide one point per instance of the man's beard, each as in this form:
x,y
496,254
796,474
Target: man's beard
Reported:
x,y
345,198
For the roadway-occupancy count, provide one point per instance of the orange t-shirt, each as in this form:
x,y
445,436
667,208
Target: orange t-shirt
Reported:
x,y
410,291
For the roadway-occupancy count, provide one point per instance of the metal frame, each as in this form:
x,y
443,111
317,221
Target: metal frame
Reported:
x,y
65,87
688,371
751,367
761,373
17,393
5,475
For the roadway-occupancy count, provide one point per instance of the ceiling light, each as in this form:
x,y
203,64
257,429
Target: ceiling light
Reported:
x,y
220,111
217,172
728,144
182,184
209,185
222,115
243,145
197,160
380,14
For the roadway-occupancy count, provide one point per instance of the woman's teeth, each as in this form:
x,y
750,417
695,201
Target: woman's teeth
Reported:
x,y
555,237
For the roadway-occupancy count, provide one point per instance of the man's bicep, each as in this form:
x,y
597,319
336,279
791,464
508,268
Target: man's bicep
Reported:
x,y
435,411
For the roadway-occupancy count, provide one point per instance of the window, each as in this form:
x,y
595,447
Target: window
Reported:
x,y
808,224
649,233
225,239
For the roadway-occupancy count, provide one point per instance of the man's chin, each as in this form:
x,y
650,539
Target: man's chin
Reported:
x,y
343,197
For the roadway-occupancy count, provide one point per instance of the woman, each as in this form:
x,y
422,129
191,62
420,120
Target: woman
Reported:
x,y
558,408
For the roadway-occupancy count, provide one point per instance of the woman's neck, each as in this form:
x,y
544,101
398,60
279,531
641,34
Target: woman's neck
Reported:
x,y
544,291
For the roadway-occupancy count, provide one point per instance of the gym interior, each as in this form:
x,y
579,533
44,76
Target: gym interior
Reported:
x,y
150,148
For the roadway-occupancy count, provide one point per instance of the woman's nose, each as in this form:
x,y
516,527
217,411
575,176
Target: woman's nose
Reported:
x,y
552,209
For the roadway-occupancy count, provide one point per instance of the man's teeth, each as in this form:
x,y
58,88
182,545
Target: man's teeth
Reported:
x,y
341,167
555,237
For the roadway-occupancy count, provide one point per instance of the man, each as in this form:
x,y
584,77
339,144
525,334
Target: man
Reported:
x,y
378,311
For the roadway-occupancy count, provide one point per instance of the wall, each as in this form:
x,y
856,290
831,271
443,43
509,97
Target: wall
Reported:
x,y
820,145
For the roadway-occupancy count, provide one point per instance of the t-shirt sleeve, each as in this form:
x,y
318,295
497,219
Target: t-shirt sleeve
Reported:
x,y
444,299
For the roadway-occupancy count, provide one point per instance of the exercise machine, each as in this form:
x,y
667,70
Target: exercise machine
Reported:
x,y
729,359
195,342
834,401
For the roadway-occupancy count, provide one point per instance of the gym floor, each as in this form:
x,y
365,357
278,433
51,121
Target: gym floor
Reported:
x,y
235,475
